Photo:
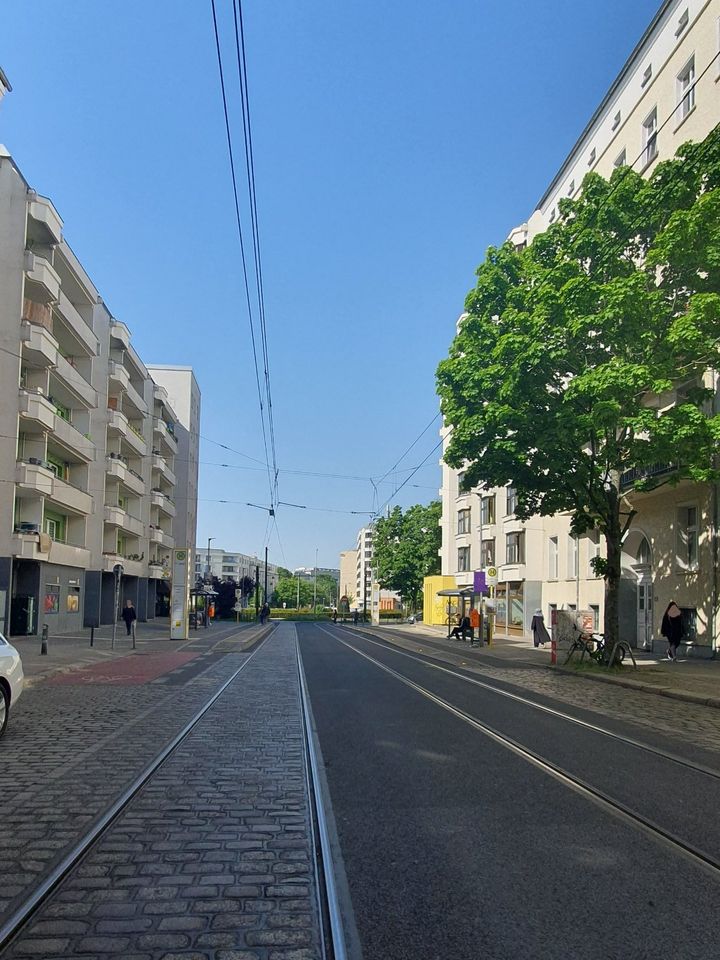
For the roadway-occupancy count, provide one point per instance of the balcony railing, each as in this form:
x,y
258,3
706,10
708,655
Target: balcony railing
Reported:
x,y
630,477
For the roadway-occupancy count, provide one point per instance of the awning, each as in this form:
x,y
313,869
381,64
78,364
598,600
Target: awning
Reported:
x,y
461,592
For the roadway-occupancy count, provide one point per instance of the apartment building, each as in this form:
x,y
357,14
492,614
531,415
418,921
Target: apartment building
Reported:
x,y
87,442
233,566
665,95
347,584
177,386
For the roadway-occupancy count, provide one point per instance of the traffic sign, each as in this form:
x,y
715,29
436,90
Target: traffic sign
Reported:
x,y
491,576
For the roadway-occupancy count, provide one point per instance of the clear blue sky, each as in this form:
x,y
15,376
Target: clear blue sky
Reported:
x,y
394,141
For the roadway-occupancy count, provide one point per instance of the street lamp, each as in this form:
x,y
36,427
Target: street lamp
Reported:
x,y
208,575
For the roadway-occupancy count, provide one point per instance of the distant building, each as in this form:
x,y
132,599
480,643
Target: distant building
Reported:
x,y
308,573
233,566
389,600
347,583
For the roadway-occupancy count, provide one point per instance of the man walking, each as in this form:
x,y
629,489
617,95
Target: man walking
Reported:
x,y
129,616
264,613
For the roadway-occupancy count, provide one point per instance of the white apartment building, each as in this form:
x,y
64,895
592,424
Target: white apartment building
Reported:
x,y
665,95
87,443
363,553
234,566
178,386
347,584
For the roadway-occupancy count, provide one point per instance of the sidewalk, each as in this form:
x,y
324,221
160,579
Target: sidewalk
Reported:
x,y
72,650
694,681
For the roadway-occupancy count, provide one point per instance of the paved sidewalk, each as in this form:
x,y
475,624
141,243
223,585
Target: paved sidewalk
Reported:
x,y
69,651
692,681
213,860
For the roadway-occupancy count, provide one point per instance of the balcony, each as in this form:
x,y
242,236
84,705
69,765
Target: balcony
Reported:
x,y
167,437
161,500
120,333
134,397
117,517
630,477
75,382
27,546
158,571
118,376
81,330
160,393
136,440
42,211
39,346
70,437
118,425
160,464
131,568
37,479
156,535
41,277
70,497
117,467
37,414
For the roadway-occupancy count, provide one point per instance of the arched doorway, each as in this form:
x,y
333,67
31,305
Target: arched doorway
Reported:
x,y
637,557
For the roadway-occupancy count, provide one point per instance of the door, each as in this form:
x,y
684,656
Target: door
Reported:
x,y
644,614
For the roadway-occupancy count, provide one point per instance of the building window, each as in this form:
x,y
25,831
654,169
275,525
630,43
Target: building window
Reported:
x,y
461,481
510,501
571,188
686,90
553,558
649,137
593,550
621,159
515,548
595,610
573,570
682,22
487,554
463,521
463,563
592,157
616,120
689,624
552,215
687,538
646,75
487,511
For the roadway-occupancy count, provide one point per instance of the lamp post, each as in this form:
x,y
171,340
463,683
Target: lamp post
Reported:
x,y
208,575
315,583
208,580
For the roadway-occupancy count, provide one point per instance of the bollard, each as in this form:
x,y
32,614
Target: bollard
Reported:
x,y
133,634
43,642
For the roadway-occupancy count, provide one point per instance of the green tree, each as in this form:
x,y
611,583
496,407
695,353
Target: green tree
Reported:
x,y
405,549
584,357
286,591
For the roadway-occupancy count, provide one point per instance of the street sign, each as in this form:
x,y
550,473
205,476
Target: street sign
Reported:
x,y
491,576
238,594
479,581
118,569
237,608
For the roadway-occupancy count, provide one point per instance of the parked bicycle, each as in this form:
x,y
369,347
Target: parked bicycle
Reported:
x,y
594,646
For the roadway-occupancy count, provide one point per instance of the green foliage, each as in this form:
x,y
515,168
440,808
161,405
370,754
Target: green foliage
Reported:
x,y
286,591
585,355
405,549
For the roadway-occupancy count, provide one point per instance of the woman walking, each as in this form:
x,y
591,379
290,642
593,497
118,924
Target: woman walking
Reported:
x,y
671,629
539,630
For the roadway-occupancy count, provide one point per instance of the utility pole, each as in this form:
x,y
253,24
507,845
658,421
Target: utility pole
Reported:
x,y
257,590
266,576
315,583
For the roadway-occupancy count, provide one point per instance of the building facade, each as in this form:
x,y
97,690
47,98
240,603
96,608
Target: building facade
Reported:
x,y
347,584
233,566
87,448
665,95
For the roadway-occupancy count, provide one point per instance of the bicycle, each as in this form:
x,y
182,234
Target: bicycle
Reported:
x,y
593,644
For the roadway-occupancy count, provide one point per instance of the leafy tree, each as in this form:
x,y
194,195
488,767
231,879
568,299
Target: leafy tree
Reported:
x,y
584,357
286,591
405,549
247,586
225,600
283,573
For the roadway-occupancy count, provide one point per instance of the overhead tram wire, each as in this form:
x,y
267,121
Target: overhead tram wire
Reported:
x,y
401,458
252,196
242,243
406,481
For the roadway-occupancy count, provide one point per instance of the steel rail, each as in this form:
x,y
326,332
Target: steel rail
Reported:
x,y
631,741
20,917
578,785
332,899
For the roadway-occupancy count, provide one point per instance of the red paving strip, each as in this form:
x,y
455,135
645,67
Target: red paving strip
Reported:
x,y
131,670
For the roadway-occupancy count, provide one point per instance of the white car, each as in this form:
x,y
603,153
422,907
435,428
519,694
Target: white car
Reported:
x,y
11,680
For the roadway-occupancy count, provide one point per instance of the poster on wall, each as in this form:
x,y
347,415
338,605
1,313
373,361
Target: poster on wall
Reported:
x,y
52,599
180,595
375,607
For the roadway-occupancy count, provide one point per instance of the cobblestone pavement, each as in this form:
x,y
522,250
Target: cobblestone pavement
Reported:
x,y
213,859
70,750
677,720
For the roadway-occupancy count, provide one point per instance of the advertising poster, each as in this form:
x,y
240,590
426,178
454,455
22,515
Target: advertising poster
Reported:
x,y
180,595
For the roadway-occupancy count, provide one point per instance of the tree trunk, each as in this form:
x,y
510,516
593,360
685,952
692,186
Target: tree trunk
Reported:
x,y
613,540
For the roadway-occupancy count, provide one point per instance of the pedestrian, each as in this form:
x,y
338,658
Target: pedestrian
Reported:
x,y
671,628
334,614
539,631
463,627
129,615
355,617
264,612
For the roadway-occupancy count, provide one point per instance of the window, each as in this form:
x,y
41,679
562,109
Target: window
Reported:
x,y
573,570
682,22
687,537
621,159
463,521
54,525
592,157
593,550
510,500
487,553
57,466
616,120
553,558
595,610
689,624
515,548
686,90
649,136
571,188
552,215
646,75
463,563
461,481
487,511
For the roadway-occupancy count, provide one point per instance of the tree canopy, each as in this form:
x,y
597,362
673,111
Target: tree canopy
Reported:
x,y
581,364
405,549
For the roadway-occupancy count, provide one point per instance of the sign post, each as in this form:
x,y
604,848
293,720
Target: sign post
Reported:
x,y
118,571
180,596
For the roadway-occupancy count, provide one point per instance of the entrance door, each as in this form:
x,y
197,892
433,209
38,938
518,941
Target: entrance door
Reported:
x,y
644,613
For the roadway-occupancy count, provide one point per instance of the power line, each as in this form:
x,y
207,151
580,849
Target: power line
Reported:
x,y
401,458
422,463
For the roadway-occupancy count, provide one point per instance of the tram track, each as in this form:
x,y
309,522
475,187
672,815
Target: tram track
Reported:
x,y
580,785
14,925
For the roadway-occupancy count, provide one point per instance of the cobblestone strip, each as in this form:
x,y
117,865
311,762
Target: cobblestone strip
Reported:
x,y
72,752
213,859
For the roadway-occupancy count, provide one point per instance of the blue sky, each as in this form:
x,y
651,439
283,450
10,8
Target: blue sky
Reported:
x,y
393,143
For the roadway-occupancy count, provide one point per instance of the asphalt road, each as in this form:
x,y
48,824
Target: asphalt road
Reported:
x,y
455,846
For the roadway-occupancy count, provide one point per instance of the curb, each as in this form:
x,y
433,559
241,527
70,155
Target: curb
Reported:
x,y
685,695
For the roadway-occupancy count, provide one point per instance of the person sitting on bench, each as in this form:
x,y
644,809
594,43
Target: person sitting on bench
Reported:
x,y
462,629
